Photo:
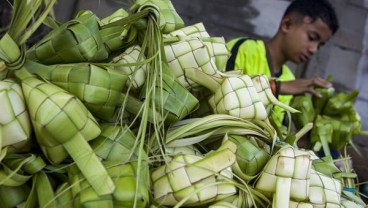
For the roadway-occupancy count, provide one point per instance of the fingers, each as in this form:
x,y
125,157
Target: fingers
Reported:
x,y
314,92
319,82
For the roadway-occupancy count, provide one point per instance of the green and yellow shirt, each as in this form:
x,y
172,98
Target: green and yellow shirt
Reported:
x,y
251,59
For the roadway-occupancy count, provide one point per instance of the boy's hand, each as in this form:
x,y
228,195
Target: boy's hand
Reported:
x,y
300,86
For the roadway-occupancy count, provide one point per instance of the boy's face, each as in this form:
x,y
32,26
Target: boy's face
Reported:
x,y
303,38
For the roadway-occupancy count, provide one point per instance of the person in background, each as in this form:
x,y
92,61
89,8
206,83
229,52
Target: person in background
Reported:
x,y
305,26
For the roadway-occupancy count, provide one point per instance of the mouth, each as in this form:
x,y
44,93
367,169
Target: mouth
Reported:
x,y
304,57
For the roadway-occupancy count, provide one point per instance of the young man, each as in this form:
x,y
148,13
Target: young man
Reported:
x,y
305,26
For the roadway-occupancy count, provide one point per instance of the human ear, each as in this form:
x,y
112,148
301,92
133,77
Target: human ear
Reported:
x,y
285,23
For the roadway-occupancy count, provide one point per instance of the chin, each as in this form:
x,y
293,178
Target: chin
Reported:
x,y
296,61
299,61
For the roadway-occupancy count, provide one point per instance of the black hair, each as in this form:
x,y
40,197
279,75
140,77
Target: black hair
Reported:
x,y
315,9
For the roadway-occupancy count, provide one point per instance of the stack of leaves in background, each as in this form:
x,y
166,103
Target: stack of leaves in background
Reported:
x,y
334,116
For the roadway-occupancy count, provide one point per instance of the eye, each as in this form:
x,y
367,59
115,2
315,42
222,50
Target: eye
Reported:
x,y
312,37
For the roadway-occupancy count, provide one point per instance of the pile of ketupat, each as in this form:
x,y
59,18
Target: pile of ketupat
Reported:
x,y
132,111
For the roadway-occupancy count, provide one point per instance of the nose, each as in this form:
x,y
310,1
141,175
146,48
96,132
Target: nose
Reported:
x,y
313,48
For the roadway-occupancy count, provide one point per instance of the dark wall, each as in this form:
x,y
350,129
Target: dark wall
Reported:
x,y
227,18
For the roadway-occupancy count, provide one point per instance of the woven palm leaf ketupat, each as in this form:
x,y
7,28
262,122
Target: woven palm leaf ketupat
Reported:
x,y
334,117
294,204
216,46
198,178
237,96
136,72
82,194
184,53
218,51
113,34
132,189
75,41
213,84
14,118
12,59
324,191
320,103
115,16
195,30
326,166
18,169
222,204
124,176
171,96
342,133
250,158
234,201
332,132
53,110
187,150
340,103
321,135
262,85
98,87
12,177
286,176
354,117
304,104
164,12
115,143
78,40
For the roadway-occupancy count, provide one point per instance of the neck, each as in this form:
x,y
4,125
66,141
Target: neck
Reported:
x,y
275,52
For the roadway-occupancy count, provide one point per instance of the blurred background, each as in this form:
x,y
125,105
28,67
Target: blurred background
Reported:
x,y
345,56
